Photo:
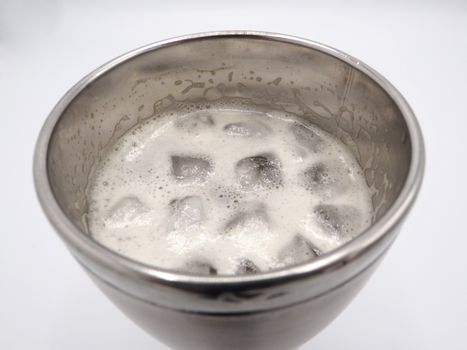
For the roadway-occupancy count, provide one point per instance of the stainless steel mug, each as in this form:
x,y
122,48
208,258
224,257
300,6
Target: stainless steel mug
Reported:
x,y
275,310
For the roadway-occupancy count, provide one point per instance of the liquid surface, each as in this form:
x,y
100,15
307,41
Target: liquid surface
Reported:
x,y
227,191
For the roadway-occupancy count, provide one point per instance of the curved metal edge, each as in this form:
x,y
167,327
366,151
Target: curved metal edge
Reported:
x,y
341,284
85,245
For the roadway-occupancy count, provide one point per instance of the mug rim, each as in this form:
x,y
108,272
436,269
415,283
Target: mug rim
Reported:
x,y
102,255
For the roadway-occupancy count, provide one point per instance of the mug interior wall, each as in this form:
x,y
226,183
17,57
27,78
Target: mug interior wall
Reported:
x,y
271,74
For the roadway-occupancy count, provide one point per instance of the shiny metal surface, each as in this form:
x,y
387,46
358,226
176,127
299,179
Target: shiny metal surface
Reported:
x,y
336,91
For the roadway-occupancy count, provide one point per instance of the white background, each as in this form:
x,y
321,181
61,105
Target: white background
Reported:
x,y
418,297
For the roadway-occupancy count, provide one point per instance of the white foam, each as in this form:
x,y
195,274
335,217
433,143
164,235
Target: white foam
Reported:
x,y
226,218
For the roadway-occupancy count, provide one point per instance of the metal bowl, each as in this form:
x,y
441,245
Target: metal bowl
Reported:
x,y
274,310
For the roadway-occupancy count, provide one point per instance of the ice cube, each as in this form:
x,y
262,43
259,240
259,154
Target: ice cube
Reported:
x,y
196,122
342,221
199,268
253,217
186,212
258,172
325,179
307,138
128,211
190,169
298,251
246,267
247,129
